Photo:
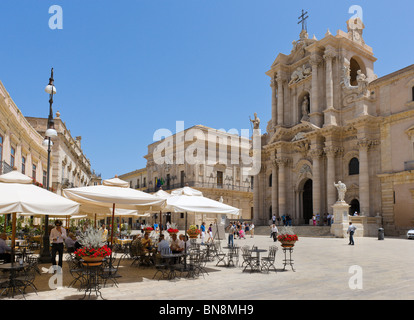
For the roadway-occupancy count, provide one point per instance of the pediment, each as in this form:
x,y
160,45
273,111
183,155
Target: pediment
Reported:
x,y
293,134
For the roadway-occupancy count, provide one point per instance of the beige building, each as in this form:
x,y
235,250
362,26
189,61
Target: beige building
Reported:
x,y
202,158
334,120
137,179
20,144
69,166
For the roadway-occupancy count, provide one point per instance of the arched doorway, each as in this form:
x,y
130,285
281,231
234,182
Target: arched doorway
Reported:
x,y
354,207
307,201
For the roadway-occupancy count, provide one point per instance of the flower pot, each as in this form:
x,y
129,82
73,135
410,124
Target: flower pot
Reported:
x,y
193,236
288,244
92,261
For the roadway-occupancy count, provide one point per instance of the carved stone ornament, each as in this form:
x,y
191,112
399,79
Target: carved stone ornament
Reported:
x,y
300,74
353,92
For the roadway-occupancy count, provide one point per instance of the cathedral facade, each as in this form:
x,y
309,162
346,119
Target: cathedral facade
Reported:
x,y
334,120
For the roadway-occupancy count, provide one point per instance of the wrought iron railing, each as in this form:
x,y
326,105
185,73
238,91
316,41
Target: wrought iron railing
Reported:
x,y
408,165
212,185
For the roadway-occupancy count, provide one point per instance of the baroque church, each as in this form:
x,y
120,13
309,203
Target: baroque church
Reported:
x,y
334,120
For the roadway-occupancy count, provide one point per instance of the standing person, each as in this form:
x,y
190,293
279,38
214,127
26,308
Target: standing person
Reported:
x,y
284,220
104,233
203,232
5,250
274,219
351,231
230,229
210,233
252,230
58,235
274,232
314,220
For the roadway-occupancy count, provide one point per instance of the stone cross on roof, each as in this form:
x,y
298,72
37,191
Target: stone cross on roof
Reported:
x,y
302,19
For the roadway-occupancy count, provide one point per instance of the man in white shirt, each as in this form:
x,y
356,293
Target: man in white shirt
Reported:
x,y
58,236
351,231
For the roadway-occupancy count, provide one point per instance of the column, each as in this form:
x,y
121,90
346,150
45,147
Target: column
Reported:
x,y
329,81
315,114
274,189
330,177
281,162
255,198
316,181
274,102
364,176
279,100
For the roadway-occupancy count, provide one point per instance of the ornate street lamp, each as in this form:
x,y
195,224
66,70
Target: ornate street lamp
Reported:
x,y
50,134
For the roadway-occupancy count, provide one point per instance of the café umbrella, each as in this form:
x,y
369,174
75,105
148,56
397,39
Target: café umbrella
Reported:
x,y
116,194
190,200
20,195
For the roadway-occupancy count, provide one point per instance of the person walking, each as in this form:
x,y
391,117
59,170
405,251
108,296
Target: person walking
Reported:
x,y
210,233
231,229
203,232
351,231
274,232
58,236
252,230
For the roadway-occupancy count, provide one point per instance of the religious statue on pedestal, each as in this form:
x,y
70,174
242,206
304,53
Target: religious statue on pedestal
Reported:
x,y
341,187
255,121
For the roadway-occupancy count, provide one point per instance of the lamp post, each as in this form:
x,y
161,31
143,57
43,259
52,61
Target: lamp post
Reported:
x,y
45,256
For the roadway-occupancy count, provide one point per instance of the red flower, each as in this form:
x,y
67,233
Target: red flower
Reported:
x,y
172,230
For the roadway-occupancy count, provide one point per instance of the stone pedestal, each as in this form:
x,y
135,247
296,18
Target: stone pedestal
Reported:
x,y
341,219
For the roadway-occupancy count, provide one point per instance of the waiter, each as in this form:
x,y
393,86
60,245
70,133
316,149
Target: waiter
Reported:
x,y
58,236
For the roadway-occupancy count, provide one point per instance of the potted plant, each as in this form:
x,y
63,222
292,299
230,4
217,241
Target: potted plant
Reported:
x,y
193,232
172,229
93,248
287,237
148,229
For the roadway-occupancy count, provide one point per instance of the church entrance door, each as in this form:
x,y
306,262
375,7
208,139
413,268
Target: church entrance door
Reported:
x,y
307,204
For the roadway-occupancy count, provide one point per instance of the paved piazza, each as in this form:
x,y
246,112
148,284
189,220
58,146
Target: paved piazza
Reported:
x,y
323,271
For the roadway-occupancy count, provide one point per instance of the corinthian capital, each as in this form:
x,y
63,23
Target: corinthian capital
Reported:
x,y
282,161
316,153
332,151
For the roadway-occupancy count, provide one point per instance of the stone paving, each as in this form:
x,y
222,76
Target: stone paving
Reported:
x,y
326,269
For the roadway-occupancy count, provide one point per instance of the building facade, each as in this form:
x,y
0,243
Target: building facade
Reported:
x,y
69,166
203,158
334,120
20,144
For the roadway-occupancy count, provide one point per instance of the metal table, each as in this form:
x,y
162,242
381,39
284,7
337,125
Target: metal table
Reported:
x,y
12,284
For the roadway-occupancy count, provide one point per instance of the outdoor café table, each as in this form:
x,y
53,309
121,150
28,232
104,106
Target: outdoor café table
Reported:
x,y
12,284
256,266
171,259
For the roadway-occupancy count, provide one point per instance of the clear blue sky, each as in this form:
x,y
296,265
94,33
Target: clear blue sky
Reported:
x,y
124,69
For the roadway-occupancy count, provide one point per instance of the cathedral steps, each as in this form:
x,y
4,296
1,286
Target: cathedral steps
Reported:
x,y
301,231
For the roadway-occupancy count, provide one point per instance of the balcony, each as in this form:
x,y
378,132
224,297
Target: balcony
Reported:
x,y
409,165
5,167
212,185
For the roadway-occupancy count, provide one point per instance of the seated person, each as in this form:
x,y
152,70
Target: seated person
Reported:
x,y
147,242
163,245
70,242
183,244
175,244
5,250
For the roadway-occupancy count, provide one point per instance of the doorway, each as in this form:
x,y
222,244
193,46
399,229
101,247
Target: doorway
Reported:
x,y
307,199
